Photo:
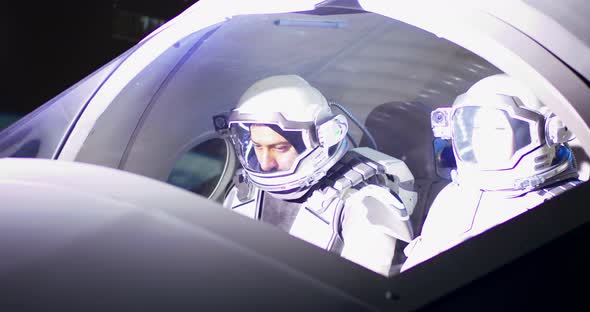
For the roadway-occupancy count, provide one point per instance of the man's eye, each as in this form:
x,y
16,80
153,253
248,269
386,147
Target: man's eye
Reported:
x,y
282,148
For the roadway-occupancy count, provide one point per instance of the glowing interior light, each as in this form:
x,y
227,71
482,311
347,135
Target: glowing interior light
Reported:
x,y
304,23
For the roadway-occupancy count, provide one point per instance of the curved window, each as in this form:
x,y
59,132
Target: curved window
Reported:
x,y
396,63
200,169
376,67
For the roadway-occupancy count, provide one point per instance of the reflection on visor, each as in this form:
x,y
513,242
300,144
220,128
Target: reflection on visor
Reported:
x,y
488,137
266,148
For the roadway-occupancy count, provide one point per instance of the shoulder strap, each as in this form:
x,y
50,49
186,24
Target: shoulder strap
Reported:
x,y
373,174
348,172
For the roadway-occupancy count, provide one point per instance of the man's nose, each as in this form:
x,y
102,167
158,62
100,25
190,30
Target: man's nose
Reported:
x,y
268,161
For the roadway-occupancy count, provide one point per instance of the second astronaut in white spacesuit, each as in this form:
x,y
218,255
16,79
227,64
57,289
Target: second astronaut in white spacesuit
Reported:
x,y
511,154
299,174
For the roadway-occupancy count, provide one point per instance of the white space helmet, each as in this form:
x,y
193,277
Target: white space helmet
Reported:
x,y
285,135
503,137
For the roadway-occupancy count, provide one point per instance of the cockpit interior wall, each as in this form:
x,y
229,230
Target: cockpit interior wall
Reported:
x,y
568,13
364,62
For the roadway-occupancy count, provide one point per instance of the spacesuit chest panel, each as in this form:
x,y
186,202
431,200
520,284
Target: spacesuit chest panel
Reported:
x,y
495,209
298,219
361,175
315,227
450,217
375,179
248,207
458,214
278,212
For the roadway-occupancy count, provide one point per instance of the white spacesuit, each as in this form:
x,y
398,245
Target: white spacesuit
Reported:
x,y
299,175
511,154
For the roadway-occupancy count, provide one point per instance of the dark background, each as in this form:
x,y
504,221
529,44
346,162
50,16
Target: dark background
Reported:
x,y
48,46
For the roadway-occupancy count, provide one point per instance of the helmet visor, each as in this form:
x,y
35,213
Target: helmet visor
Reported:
x,y
490,137
268,148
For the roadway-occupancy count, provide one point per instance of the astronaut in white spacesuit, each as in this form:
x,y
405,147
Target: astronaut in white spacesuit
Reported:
x,y
511,154
299,174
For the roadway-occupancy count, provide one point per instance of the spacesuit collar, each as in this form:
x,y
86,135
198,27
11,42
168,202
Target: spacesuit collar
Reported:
x,y
507,186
